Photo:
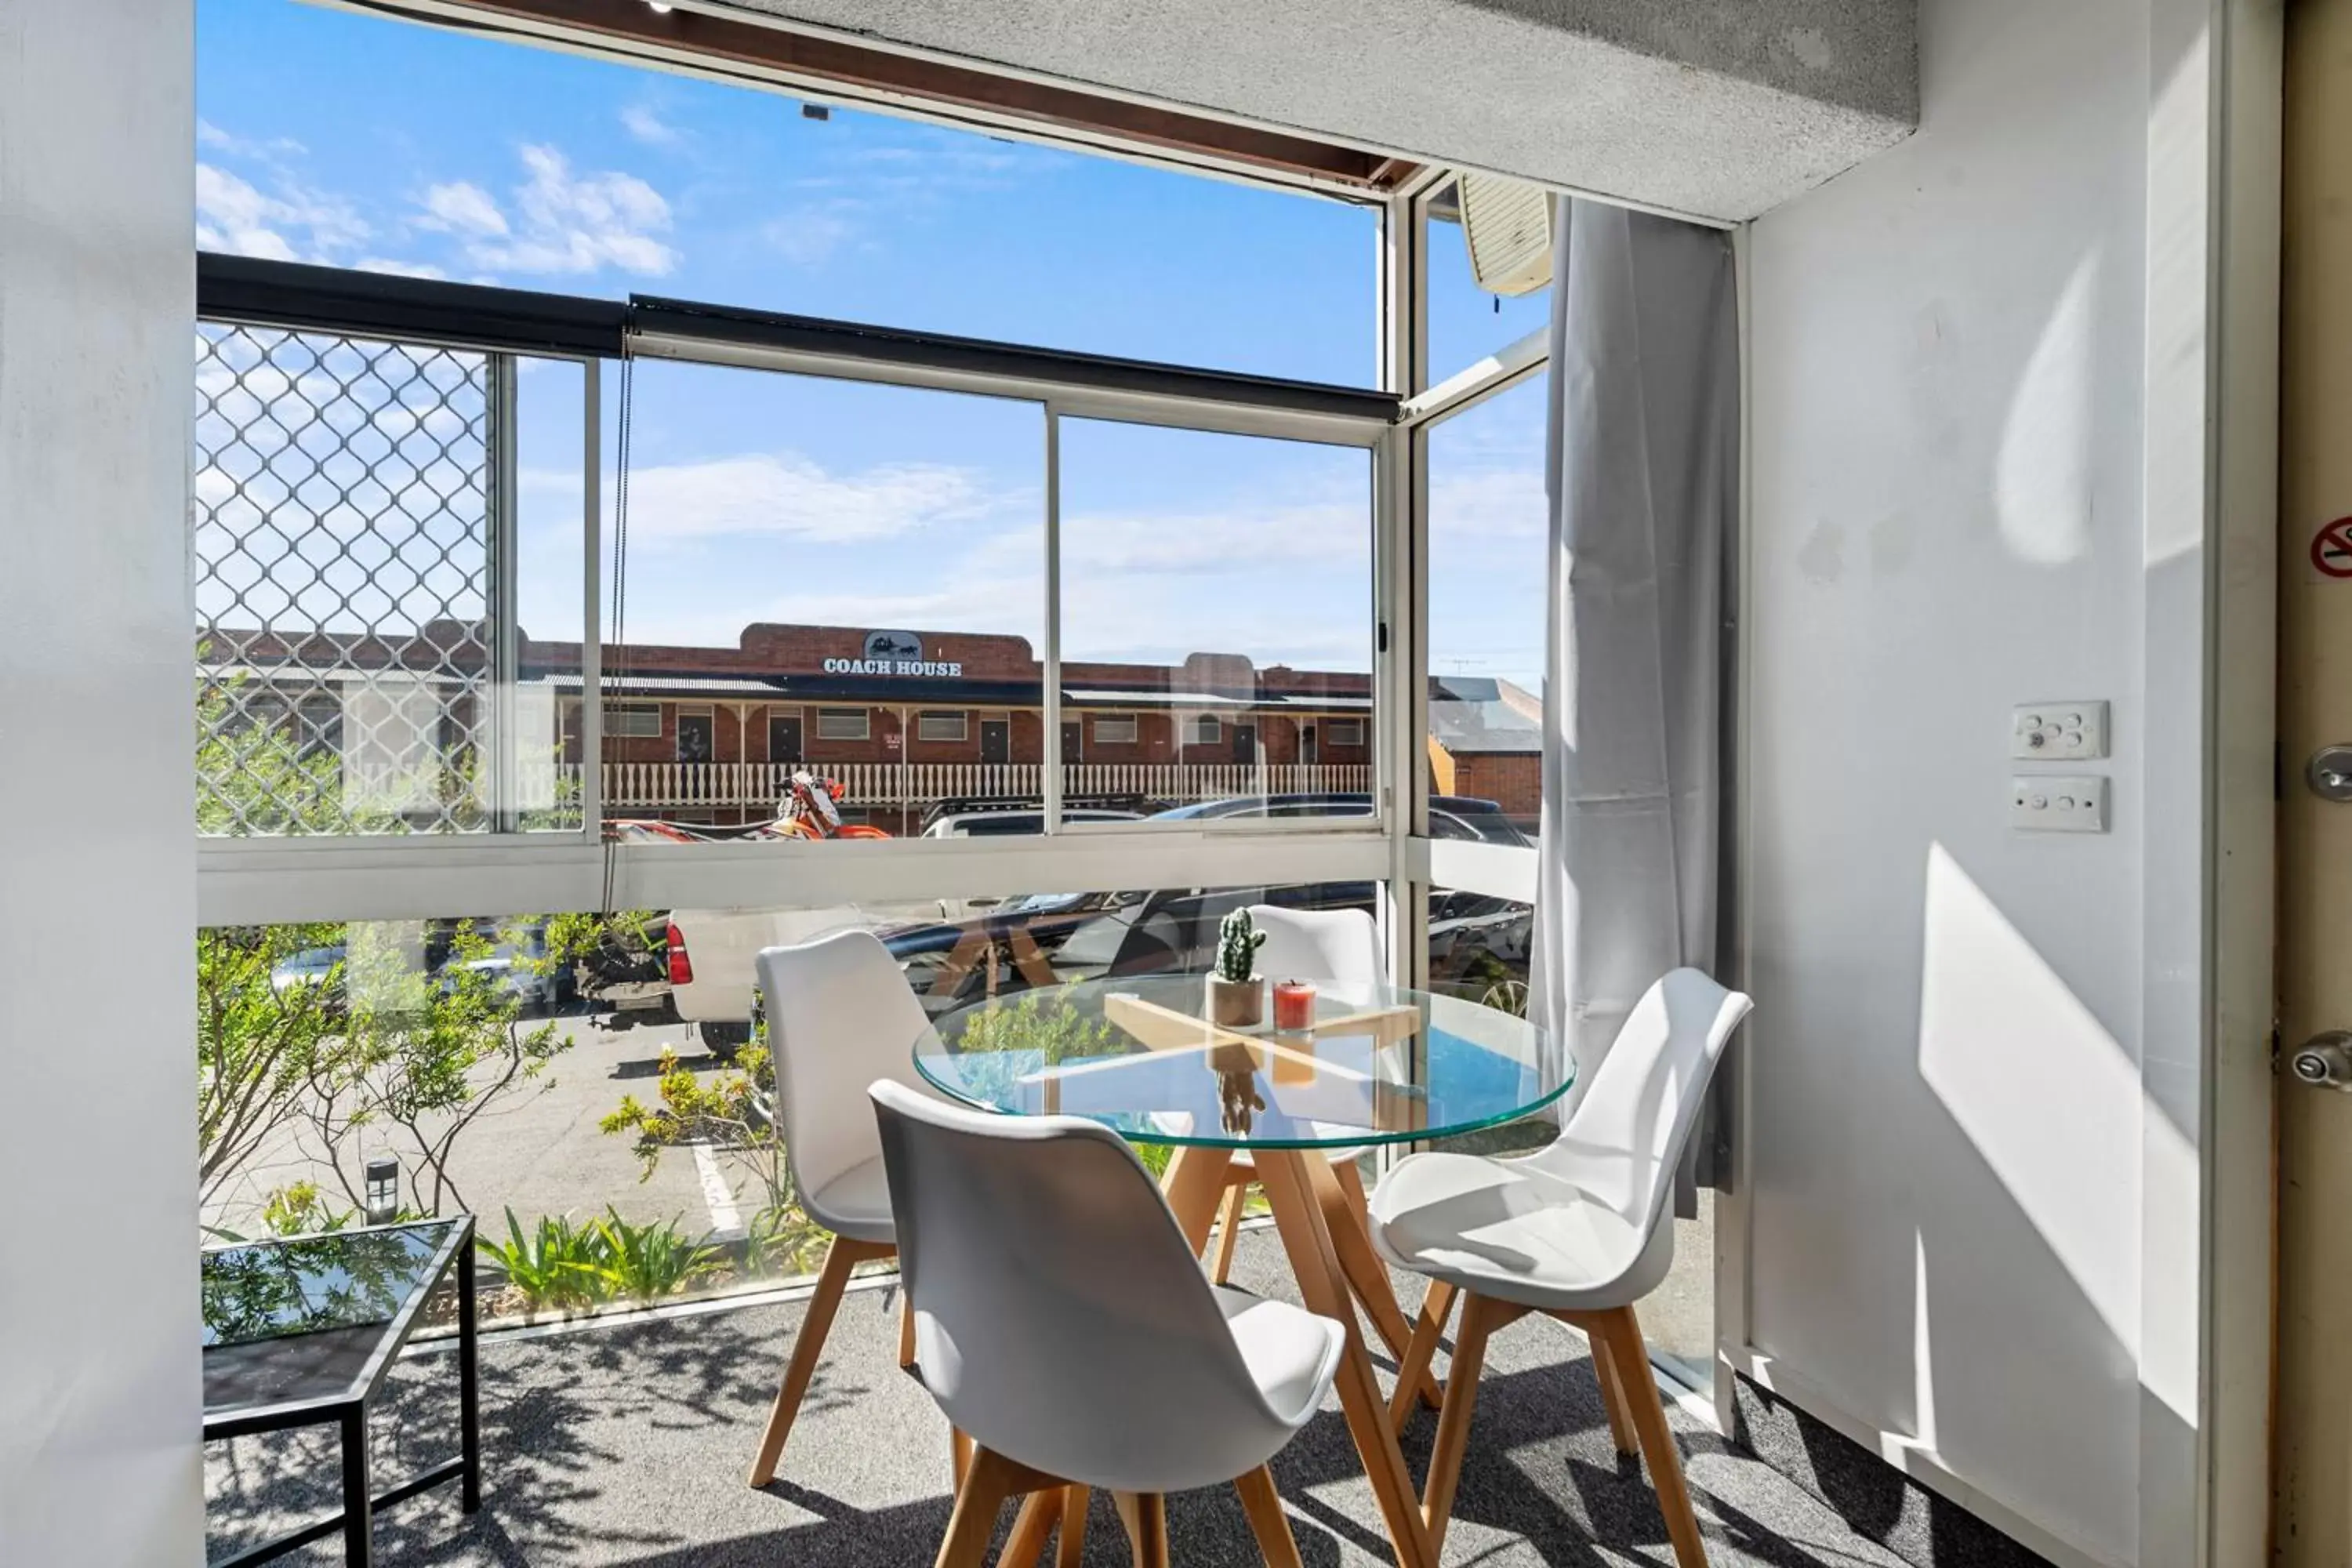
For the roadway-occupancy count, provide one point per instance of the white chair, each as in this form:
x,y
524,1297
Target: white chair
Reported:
x,y
1575,1230
1332,946
1063,1323
839,1016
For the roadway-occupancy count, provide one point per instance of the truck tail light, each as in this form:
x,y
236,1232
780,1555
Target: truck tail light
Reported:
x,y
681,966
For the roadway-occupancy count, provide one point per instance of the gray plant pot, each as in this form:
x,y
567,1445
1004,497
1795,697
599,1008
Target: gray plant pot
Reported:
x,y
1236,1004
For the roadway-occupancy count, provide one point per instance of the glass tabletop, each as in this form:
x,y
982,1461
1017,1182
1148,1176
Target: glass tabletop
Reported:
x,y
1376,1064
314,1318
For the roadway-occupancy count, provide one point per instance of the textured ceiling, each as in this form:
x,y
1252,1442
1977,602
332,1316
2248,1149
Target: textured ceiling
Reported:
x,y
1718,108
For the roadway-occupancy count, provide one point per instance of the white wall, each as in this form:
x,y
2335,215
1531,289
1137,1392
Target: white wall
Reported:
x,y
1974,1068
99,1363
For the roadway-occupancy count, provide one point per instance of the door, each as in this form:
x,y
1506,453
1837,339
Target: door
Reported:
x,y
995,741
2312,1447
1245,743
1310,746
1071,751
696,733
784,738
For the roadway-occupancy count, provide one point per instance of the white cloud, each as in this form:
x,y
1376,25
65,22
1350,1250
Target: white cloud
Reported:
x,y
288,222
786,494
462,207
648,127
564,223
396,268
210,135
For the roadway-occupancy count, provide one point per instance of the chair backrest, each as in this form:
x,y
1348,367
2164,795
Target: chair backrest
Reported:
x,y
1060,1320
1625,1137
1320,944
839,1016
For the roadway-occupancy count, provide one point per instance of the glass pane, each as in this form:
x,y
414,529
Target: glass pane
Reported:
x,y
358,668
1217,623
833,599
1488,528
1466,322
476,159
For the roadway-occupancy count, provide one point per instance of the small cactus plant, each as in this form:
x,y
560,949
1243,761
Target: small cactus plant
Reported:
x,y
1238,940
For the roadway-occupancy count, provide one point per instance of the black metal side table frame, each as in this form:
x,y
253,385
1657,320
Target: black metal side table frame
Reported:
x,y
347,1409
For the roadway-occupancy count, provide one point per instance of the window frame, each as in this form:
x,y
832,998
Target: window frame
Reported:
x,y
865,717
1134,724
924,719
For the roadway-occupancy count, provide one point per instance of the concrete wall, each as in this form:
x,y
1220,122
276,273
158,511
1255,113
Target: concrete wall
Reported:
x,y
99,1364
1979,429
1692,105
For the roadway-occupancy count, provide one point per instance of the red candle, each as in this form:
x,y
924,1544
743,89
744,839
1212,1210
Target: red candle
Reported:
x,y
1293,1006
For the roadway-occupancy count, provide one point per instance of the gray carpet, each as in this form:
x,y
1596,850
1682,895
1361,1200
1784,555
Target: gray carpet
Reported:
x,y
628,1446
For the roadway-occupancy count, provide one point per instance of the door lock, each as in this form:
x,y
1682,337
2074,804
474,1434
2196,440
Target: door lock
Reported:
x,y
2329,774
2325,1061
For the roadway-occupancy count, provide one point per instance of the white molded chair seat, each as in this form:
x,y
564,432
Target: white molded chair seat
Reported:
x,y
1514,1229
1291,1353
855,1204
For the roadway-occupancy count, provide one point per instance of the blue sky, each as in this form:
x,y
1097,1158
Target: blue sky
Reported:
x,y
358,141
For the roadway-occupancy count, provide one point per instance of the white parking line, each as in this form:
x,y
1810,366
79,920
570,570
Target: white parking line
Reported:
x,y
725,1218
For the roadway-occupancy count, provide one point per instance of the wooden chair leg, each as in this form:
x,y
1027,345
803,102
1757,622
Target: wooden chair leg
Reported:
x,y
1145,1514
1229,1231
1071,1550
839,1260
986,1484
1267,1521
1613,1398
1412,1367
1479,1316
1039,1511
906,1329
959,1455
1630,1362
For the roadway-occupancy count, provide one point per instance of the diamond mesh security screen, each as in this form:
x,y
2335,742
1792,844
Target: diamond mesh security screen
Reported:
x,y
343,552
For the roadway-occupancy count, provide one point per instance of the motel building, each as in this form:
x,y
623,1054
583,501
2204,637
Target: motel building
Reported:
x,y
913,724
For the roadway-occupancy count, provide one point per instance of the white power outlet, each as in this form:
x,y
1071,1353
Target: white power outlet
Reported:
x,y
2057,805
2059,731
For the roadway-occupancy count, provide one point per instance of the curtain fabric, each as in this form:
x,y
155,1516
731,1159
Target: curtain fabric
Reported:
x,y
1642,471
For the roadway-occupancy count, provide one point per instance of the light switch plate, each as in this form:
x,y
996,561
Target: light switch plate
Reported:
x,y
2057,803
2058,731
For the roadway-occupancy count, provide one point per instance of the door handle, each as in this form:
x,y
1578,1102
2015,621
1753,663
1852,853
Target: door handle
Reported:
x,y
2325,1061
2329,774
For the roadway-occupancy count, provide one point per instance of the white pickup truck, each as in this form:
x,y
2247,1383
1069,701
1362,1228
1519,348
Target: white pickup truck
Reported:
x,y
712,954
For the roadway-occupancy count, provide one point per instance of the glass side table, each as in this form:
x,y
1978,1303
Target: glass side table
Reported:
x,y
302,1331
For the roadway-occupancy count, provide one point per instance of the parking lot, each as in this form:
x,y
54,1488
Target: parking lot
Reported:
x,y
544,1152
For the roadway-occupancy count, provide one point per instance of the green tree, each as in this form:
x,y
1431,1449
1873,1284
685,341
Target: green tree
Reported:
x,y
259,1046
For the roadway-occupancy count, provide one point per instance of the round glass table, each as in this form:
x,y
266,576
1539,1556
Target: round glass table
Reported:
x,y
1372,1064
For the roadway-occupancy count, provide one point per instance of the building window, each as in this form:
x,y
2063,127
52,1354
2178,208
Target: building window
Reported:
x,y
941,726
1203,731
1344,732
843,724
633,720
697,736
1118,732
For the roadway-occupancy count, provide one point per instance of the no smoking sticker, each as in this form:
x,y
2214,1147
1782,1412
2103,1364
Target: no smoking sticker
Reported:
x,y
2331,549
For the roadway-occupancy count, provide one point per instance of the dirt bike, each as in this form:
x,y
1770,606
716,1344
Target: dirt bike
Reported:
x,y
810,808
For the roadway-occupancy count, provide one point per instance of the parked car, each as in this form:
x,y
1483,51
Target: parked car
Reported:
x,y
1014,822
518,966
1458,816
313,966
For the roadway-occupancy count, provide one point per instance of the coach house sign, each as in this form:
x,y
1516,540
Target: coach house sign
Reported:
x,y
894,653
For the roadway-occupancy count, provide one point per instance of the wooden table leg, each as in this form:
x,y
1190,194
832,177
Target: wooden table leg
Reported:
x,y
1026,1544
1340,1191
1290,1190
1195,1180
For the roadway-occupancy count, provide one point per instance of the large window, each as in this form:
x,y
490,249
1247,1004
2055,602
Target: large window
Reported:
x,y
1467,323
1199,568
1488,528
383,615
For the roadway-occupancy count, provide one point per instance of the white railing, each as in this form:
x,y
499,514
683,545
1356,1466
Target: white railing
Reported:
x,y
893,786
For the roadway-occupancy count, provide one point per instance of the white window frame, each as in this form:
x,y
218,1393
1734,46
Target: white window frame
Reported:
x,y
924,721
1353,730
1203,730
865,717
632,709
1130,722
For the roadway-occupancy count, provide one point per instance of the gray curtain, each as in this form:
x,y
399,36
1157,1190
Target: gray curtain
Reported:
x,y
1643,471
